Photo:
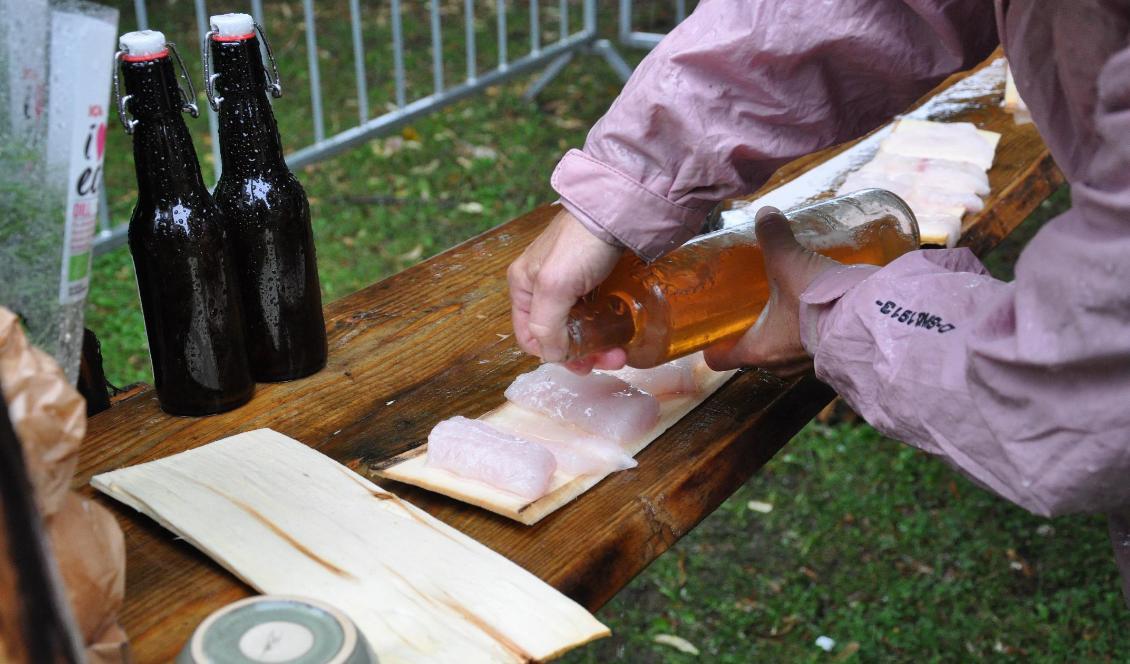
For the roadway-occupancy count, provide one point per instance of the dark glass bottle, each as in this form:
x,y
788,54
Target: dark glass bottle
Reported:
x,y
184,264
269,220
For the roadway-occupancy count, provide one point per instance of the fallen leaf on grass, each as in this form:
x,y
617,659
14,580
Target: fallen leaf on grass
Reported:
x,y
1018,563
426,169
676,642
414,254
567,123
746,604
848,650
482,152
387,147
761,507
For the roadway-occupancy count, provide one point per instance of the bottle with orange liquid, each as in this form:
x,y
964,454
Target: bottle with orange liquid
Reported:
x,y
714,287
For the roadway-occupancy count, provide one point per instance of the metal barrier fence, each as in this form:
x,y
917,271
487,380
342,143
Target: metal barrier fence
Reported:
x,y
552,56
639,38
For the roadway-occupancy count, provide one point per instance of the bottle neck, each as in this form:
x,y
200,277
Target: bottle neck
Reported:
x,y
163,154
249,135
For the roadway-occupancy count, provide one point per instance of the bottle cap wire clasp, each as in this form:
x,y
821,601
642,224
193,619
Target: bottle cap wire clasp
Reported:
x,y
274,82
187,99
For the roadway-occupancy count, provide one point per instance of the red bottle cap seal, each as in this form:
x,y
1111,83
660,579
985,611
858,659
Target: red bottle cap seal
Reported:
x,y
232,27
142,45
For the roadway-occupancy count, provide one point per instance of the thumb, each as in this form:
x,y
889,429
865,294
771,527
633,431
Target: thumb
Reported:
x,y
788,264
775,235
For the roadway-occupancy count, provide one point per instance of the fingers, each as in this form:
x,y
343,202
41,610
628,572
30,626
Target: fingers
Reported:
x,y
610,360
560,265
778,243
521,295
772,343
553,296
789,265
781,365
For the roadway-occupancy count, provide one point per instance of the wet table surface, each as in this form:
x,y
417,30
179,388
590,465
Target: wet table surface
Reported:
x,y
434,341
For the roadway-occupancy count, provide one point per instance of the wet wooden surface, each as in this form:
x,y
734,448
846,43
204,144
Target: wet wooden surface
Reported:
x,y
434,341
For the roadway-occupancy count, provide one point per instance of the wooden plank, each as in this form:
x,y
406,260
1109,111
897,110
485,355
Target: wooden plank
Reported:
x,y
431,342
411,467
290,521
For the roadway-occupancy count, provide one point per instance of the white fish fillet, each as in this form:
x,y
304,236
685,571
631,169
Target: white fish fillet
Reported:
x,y
954,141
576,452
940,173
597,403
938,168
942,228
915,191
476,450
681,376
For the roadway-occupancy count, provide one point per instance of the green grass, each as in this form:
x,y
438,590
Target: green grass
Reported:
x,y
888,552
884,550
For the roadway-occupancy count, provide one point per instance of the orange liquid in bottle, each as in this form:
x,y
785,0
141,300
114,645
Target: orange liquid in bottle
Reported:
x,y
714,287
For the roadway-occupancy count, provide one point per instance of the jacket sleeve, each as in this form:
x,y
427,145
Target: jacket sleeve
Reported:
x,y
744,86
1025,386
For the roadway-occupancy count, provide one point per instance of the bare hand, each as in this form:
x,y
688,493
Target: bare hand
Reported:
x,y
564,263
773,343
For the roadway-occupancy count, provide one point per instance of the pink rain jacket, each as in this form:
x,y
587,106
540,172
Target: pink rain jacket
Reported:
x,y
1024,386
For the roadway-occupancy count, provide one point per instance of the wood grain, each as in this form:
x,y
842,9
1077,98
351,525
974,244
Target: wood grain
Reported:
x,y
432,342
293,522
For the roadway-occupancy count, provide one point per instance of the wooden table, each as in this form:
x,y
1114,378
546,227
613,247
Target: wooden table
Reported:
x,y
434,341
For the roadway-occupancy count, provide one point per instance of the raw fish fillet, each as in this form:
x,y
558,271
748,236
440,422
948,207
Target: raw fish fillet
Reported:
x,y
597,403
942,228
587,455
915,191
576,452
681,376
955,141
476,450
940,173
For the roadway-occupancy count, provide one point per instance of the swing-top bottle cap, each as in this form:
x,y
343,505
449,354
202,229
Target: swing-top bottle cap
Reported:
x,y
232,27
143,45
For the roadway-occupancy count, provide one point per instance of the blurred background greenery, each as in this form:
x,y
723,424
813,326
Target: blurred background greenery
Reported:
x,y
844,534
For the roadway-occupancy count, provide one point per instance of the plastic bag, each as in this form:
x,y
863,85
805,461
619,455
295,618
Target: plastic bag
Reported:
x,y
49,418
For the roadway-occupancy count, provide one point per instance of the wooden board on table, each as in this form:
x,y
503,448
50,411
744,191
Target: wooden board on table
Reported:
x,y
431,342
291,521
411,467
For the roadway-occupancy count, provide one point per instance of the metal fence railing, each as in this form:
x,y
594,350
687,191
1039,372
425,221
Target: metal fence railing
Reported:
x,y
446,87
642,38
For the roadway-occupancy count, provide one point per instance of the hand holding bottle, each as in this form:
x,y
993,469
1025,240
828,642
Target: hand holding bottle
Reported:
x,y
774,343
564,263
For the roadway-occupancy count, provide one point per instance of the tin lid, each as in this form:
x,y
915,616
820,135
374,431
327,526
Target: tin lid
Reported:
x,y
143,45
277,629
232,27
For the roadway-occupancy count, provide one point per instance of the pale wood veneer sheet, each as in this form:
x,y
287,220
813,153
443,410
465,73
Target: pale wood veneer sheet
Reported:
x,y
289,520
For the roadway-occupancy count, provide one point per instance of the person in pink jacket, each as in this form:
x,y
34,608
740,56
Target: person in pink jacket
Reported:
x,y
1029,392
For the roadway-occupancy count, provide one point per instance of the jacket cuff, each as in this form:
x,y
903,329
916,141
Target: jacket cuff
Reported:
x,y
590,225
611,204
817,300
